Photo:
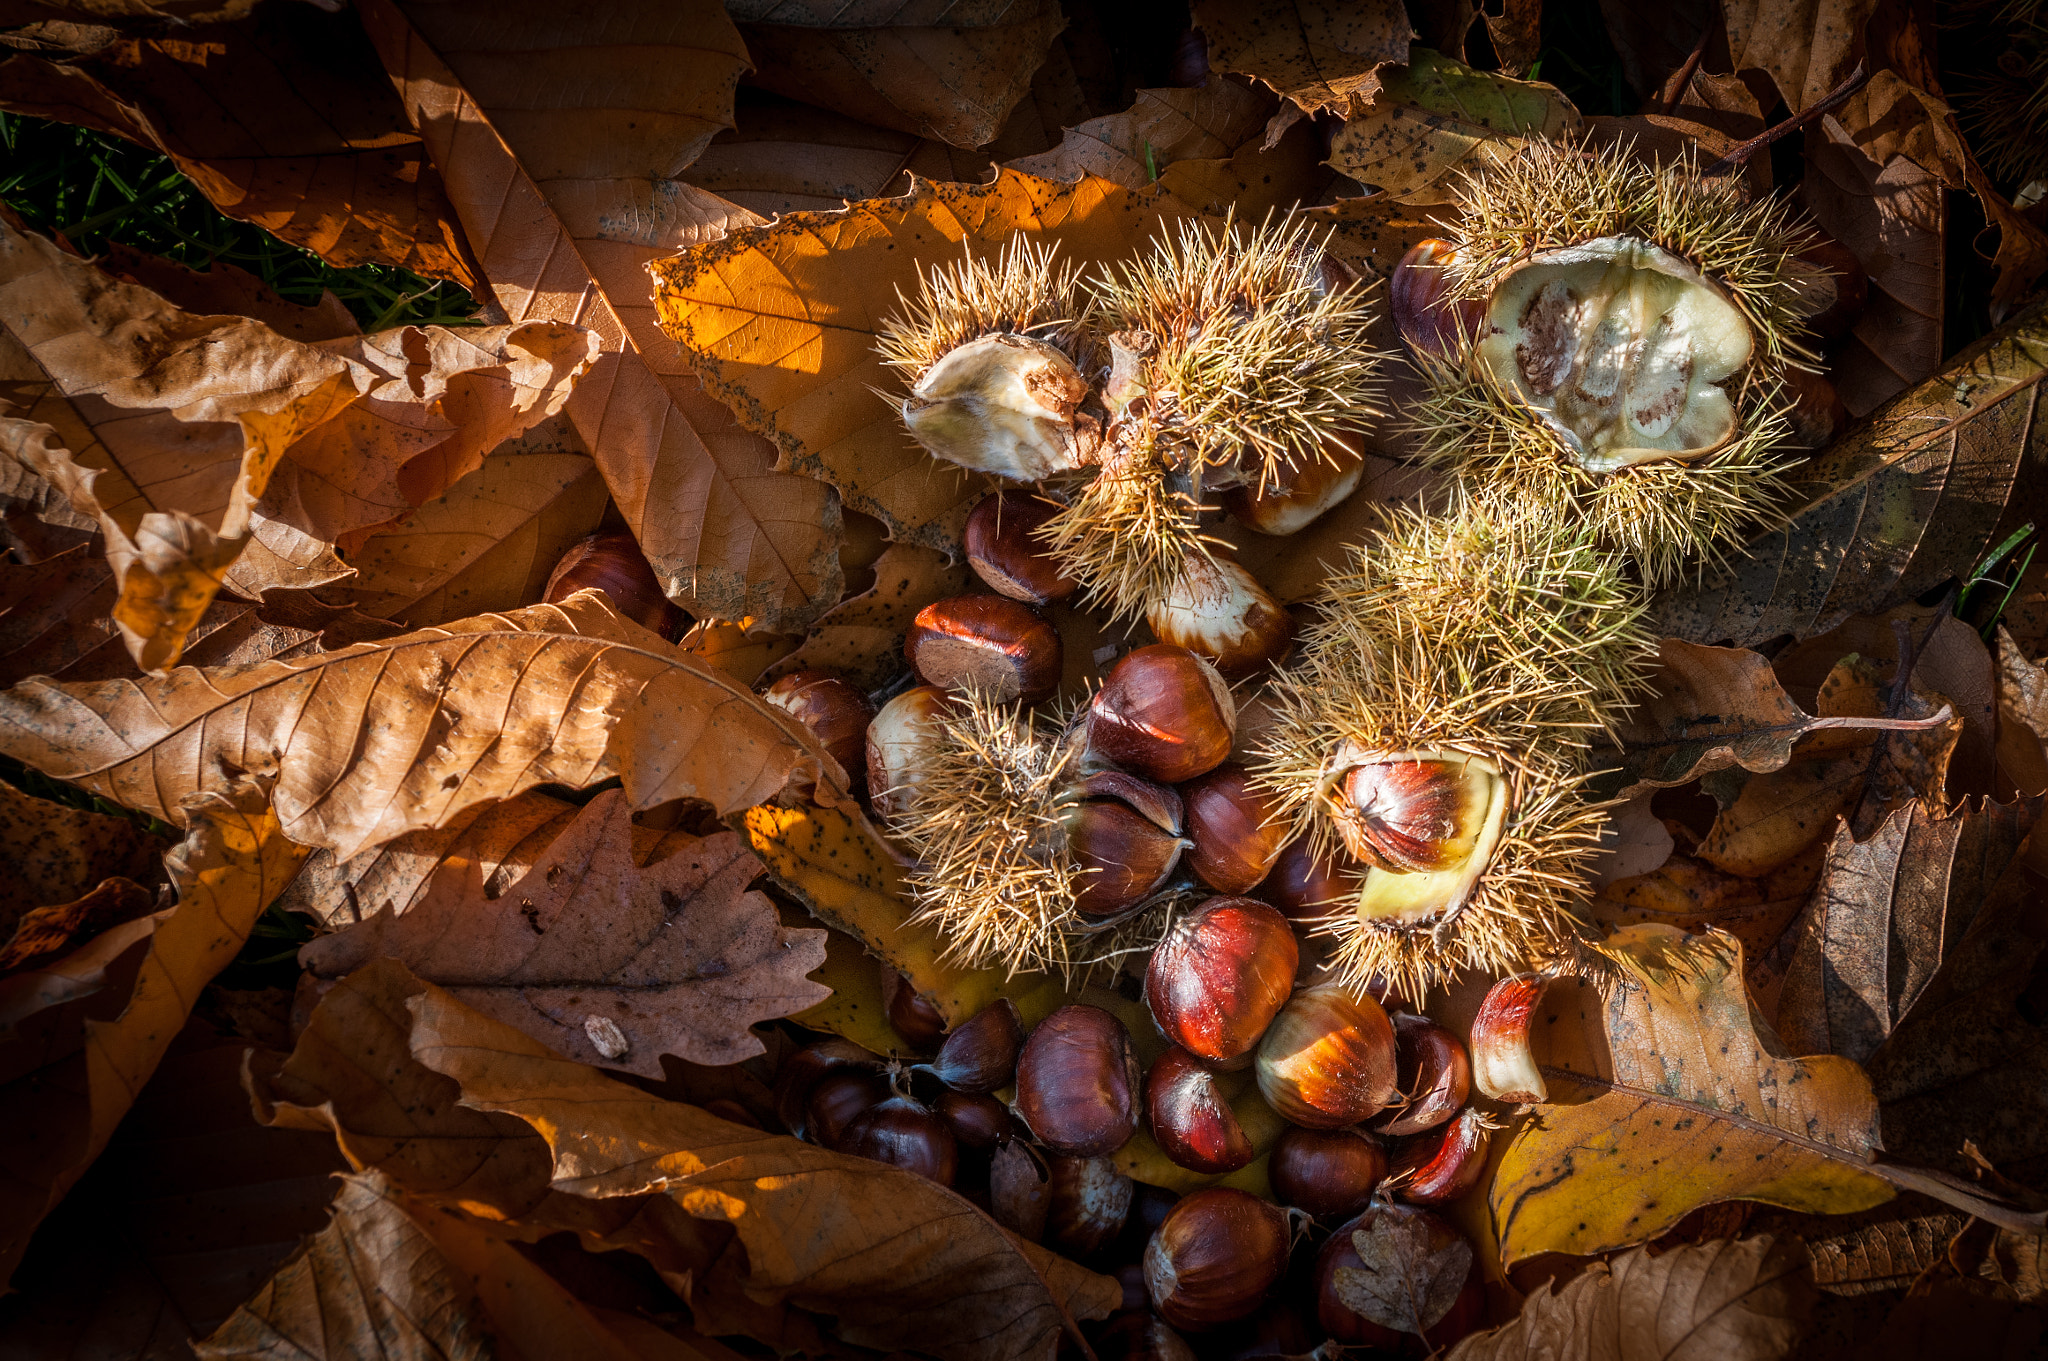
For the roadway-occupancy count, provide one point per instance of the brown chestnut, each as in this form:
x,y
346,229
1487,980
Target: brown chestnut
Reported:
x,y
1307,887
802,1070
1435,1076
904,1132
1301,494
1215,1259
1841,289
1140,1336
1328,1059
837,1100
1005,551
911,1016
1163,713
1418,295
1220,976
978,1122
981,1053
1330,1173
1018,1197
1818,413
990,643
1089,1199
836,713
1440,1165
1237,829
1420,1274
1078,1084
1219,610
1124,835
612,561
1189,1118
899,738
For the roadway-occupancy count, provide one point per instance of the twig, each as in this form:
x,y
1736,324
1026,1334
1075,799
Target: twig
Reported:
x,y
1681,80
1835,98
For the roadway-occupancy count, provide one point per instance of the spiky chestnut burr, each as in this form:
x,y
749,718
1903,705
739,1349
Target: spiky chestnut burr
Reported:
x,y
1638,321
1433,727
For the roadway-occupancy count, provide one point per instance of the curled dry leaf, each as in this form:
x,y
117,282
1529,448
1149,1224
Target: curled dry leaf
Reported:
x,y
1886,1247
1887,513
1807,46
1715,707
782,319
1318,54
1885,913
940,79
1679,1100
2021,753
564,195
84,1033
881,1249
55,854
1435,116
282,118
1133,148
179,434
861,638
411,731
599,957
1722,1300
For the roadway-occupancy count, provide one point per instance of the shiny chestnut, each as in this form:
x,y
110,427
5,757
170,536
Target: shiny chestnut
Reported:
x,y
1328,1059
1089,1199
1163,713
612,561
838,1099
905,1133
835,712
1217,609
1189,1118
978,1122
1430,320
1216,1258
1078,1084
1220,976
989,643
1237,829
1301,494
1005,551
1439,1165
981,1053
1124,835
1307,887
911,1015
1435,1076
1330,1173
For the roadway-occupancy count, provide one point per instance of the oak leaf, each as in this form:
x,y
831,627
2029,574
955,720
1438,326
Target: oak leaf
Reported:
x,y
881,1249
1406,1279
601,958
782,320
563,204
1319,55
411,731
1678,1097
1722,1300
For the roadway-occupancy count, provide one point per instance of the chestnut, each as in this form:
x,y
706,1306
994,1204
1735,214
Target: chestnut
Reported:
x,y
611,561
1088,1201
1005,551
1307,887
1438,1288
1435,1076
1078,1085
912,1017
1818,413
1124,835
836,713
1237,830
1301,494
1842,289
1440,1165
898,738
1189,1118
802,1070
981,1053
837,1100
1432,323
989,643
1140,1336
1330,1173
1215,1258
1220,976
905,1133
1328,1059
978,1122
1163,713
1018,1197
1219,610
1503,1066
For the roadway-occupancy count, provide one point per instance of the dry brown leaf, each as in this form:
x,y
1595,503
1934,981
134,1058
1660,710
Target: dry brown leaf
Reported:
x,y
1724,1300
56,854
1807,46
222,287
782,320
937,79
1133,148
563,205
1407,1279
84,1033
862,637
283,119
1517,34
178,432
382,738
1883,1248
1256,180
415,1283
2022,743
1318,54
1886,912
601,958
882,1250
1675,1097
1436,116
41,933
